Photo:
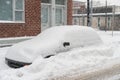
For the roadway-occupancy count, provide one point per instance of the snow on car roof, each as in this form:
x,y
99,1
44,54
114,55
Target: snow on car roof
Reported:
x,y
61,32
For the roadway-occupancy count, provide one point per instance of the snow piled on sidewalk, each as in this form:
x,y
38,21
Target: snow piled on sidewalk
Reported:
x,y
60,64
76,60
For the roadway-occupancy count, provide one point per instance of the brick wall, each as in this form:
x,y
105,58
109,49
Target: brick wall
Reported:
x,y
69,12
32,23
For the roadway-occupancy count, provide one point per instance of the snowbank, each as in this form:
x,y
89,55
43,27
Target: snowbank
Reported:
x,y
2,58
89,63
62,64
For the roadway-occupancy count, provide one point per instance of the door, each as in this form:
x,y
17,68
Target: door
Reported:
x,y
53,13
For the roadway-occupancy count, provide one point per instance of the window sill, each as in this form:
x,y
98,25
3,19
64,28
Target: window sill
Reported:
x,y
12,21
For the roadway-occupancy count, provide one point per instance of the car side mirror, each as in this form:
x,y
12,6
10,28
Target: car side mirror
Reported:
x,y
66,44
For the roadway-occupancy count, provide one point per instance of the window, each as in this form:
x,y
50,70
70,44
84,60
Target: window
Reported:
x,y
74,21
6,10
11,10
60,12
19,10
109,22
46,1
58,16
98,21
44,14
60,2
83,18
19,4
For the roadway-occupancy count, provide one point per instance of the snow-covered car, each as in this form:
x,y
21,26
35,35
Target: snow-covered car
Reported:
x,y
51,42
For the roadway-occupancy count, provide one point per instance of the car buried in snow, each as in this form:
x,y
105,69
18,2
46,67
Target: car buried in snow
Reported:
x,y
51,42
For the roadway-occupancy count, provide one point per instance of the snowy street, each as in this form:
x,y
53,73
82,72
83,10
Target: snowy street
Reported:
x,y
90,63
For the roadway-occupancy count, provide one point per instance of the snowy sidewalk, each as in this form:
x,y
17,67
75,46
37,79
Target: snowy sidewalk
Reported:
x,y
105,72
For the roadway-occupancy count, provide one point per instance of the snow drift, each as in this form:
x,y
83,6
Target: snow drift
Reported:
x,y
98,62
63,64
50,42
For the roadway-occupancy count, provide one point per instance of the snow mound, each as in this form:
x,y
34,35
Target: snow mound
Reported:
x,y
2,58
61,64
50,42
98,62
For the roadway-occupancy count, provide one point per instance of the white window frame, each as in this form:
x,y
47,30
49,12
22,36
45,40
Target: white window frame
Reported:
x,y
14,10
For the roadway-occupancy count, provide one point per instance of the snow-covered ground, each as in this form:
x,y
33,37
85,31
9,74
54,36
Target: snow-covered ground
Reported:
x,y
74,62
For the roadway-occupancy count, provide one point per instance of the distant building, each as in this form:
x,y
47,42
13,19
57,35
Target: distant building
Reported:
x,y
104,9
103,18
78,7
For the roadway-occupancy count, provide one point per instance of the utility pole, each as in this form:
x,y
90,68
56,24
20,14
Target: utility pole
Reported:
x,y
88,13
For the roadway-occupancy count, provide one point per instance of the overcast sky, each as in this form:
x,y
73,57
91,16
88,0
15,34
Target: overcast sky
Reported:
x,y
111,2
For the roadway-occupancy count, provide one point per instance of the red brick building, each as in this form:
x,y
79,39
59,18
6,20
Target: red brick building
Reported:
x,y
30,17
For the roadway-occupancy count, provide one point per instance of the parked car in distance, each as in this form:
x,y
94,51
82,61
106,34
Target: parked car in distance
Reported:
x,y
51,42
